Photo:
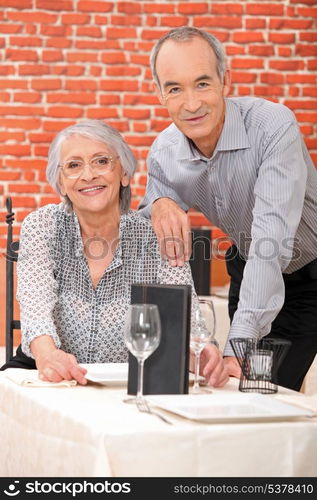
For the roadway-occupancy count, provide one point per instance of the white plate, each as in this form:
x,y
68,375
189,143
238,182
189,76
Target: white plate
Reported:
x,y
228,407
107,373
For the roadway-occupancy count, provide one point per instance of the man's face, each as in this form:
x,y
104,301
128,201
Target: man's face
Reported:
x,y
191,90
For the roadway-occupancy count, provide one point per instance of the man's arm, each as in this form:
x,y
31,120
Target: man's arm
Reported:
x,y
279,198
168,214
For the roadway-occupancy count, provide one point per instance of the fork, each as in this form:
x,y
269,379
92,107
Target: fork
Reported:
x,y
143,406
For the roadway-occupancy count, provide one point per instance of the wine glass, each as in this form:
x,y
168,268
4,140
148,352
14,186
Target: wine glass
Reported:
x,y
142,337
202,332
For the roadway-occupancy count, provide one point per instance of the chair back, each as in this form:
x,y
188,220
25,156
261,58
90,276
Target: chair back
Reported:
x,y
11,258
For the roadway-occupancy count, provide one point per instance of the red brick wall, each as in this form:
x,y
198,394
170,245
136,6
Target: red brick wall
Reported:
x,y
62,60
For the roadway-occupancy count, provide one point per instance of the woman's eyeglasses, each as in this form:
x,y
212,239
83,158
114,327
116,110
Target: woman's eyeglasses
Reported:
x,y
98,165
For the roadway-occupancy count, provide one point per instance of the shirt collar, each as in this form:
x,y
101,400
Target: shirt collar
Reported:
x,y
233,135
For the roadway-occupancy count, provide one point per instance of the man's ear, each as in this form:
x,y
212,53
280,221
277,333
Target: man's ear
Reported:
x,y
158,93
226,83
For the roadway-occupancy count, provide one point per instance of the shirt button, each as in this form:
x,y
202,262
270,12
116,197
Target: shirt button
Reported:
x,y
219,203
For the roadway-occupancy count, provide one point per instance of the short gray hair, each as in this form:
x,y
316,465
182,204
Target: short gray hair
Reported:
x,y
184,34
98,131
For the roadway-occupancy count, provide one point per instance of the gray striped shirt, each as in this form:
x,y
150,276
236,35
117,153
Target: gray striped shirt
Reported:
x,y
259,187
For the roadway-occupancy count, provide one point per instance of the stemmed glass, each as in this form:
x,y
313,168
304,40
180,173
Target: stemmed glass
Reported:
x,y
202,332
142,337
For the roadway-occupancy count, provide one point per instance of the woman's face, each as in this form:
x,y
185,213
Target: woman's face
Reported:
x,y
97,186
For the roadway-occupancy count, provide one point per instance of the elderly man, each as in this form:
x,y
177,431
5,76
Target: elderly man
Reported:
x,y
243,164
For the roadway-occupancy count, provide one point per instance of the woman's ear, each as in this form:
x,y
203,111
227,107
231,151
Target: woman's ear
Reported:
x,y
125,181
61,186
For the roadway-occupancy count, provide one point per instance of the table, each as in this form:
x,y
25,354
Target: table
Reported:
x,y
89,431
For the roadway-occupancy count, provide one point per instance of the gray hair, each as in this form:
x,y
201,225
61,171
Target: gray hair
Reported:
x,y
98,131
184,34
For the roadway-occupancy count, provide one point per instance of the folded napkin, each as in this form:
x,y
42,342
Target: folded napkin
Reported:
x,y
30,378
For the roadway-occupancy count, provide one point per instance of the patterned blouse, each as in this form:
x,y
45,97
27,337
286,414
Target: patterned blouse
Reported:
x,y
56,294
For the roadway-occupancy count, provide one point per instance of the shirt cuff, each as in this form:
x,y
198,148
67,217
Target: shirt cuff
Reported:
x,y
240,331
35,329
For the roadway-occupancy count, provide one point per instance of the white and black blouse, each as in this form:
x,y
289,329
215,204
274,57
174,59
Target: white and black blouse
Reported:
x,y
56,294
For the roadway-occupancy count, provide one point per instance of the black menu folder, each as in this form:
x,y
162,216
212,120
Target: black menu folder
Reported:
x,y
166,370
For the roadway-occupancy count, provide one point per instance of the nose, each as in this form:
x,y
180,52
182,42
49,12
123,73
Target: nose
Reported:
x,y
192,101
87,174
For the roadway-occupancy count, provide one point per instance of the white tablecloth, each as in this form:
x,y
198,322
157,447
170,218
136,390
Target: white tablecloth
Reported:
x,y
89,431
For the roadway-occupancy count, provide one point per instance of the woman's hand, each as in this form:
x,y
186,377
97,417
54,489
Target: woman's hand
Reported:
x,y
212,366
58,365
55,365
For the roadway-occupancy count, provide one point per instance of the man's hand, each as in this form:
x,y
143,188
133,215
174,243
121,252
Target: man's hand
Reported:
x,y
172,227
232,366
212,366
58,365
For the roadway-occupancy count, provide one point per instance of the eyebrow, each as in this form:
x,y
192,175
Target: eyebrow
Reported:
x,y
170,83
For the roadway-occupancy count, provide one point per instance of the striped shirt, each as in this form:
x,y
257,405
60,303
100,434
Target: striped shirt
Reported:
x,y
259,187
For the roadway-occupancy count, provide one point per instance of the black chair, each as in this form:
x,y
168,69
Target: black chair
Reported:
x,y
11,257
200,259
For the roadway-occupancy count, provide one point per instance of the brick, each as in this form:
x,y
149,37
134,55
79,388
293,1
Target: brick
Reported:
x,y
12,136
306,50
140,127
69,70
130,7
242,77
46,200
54,30
21,55
301,78
27,164
4,97
247,37
91,31
173,21
109,99
284,51
261,50
56,126
135,140
95,70
260,90
99,113
15,149
71,97
41,137
80,85
242,90
140,59
311,143
218,22
308,2
13,84
194,8
136,114
121,33
26,41
7,70
293,92
52,55
159,125
162,112
120,125
272,78
26,124
310,91
119,85
282,37
34,16
132,99
163,8
233,50
21,110
24,188
31,97
126,20
255,23
308,36
58,42
239,63
41,151
23,201
46,84
294,65
75,18
20,216
306,129
123,71
152,34
34,69
87,6
301,104
307,12
9,176
64,112
29,176
82,57
10,28
56,5
265,9
95,44
292,24
49,189
312,65
17,4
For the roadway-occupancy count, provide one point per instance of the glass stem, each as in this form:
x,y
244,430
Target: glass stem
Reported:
x,y
197,364
140,379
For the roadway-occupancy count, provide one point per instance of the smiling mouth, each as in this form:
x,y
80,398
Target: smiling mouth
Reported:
x,y
92,189
195,118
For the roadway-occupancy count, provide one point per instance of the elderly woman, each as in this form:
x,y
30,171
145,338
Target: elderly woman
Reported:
x,y
78,259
